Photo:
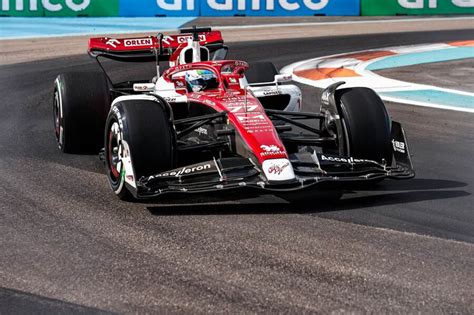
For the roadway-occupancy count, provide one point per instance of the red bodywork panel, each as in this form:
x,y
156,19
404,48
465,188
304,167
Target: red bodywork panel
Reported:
x,y
248,117
244,110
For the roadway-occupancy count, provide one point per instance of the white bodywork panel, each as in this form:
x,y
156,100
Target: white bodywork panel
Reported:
x,y
278,170
293,91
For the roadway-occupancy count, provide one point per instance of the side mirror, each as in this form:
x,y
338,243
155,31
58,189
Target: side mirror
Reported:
x,y
278,78
220,54
281,78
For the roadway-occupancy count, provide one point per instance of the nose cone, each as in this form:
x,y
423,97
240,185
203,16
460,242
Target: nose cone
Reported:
x,y
278,170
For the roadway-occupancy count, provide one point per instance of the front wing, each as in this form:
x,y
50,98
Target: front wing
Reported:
x,y
310,169
230,173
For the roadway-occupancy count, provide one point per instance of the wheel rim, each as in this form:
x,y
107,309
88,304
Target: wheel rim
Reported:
x,y
114,150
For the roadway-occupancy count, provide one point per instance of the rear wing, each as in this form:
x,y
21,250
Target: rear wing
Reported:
x,y
146,48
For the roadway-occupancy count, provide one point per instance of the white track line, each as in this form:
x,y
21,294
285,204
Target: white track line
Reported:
x,y
423,104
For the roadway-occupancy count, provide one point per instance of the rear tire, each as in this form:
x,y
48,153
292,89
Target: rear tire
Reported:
x,y
260,72
139,134
367,123
80,106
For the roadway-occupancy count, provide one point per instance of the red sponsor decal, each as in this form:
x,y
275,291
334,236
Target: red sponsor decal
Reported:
x,y
138,42
113,42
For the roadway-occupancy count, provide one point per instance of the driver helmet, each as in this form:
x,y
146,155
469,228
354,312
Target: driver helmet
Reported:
x,y
200,80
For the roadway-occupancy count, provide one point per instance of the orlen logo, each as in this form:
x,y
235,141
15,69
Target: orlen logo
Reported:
x,y
184,39
49,5
113,42
138,42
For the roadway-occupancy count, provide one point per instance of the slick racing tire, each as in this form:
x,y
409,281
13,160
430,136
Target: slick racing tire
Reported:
x,y
367,123
139,141
261,72
80,106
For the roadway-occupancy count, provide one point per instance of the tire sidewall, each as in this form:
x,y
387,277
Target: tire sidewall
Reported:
x,y
58,110
116,115
148,142
366,123
83,99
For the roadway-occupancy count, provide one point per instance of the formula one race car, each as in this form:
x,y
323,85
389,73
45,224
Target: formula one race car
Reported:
x,y
207,123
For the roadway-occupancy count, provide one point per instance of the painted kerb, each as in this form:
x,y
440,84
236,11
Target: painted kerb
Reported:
x,y
416,7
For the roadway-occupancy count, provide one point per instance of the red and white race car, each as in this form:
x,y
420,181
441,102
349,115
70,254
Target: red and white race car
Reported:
x,y
207,123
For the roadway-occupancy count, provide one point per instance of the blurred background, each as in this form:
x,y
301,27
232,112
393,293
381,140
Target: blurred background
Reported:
x,y
195,8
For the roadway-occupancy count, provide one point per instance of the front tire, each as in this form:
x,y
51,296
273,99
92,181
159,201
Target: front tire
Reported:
x,y
367,123
139,141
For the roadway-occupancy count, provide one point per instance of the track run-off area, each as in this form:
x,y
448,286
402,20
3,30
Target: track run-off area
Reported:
x,y
357,69
68,243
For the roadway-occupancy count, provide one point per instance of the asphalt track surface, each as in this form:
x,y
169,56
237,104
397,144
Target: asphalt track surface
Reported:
x,y
68,245
455,74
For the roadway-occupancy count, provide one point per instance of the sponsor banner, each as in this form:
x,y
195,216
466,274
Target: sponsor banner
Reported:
x,y
144,8
160,7
416,7
279,7
59,8
232,7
